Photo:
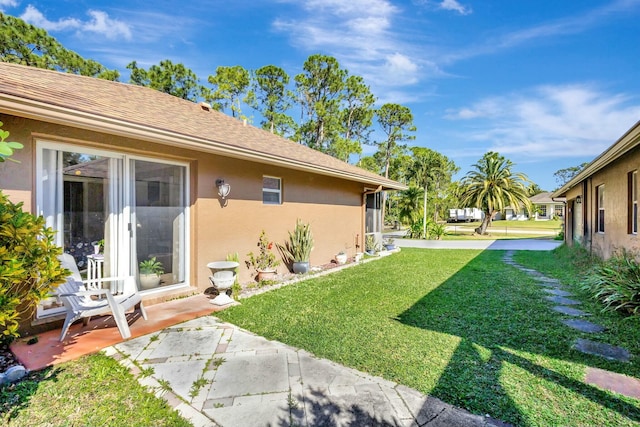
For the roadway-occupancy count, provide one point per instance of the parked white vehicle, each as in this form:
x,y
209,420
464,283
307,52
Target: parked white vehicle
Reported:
x,y
465,215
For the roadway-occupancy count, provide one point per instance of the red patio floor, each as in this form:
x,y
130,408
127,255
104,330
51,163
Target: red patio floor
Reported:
x,y
102,332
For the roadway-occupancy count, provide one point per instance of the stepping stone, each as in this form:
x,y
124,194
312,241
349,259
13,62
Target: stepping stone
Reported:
x,y
545,279
563,300
607,351
570,311
612,381
583,326
549,285
558,292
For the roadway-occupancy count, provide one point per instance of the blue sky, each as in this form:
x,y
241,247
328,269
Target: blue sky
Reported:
x,y
549,84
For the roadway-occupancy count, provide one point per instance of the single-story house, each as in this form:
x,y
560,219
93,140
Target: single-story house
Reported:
x,y
152,175
545,207
602,200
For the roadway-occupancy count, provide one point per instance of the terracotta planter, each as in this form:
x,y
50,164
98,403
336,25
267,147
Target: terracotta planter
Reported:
x,y
266,275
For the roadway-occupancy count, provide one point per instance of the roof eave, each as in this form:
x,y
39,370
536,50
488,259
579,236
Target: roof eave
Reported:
x,y
626,142
37,110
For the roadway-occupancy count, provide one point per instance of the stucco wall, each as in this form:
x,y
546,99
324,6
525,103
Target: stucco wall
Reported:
x,y
614,178
333,206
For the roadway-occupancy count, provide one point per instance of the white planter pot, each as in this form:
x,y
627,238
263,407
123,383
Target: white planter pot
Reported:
x,y
149,281
341,258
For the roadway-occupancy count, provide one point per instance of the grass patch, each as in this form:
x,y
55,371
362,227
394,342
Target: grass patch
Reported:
x,y
459,325
94,390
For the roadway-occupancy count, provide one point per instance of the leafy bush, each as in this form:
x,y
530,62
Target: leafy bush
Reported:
x,y
265,259
616,282
29,265
437,230
416,230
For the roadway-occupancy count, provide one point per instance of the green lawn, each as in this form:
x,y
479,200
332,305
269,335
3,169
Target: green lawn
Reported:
x,y
91,391
459,325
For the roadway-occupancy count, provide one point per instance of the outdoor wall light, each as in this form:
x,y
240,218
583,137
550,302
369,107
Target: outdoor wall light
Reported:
x,y
578,199
223,188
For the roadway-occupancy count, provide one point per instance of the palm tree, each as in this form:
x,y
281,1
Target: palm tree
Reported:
x,y
409,204
492,186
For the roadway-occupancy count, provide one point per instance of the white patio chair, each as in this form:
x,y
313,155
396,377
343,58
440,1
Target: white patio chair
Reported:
x,y
79,304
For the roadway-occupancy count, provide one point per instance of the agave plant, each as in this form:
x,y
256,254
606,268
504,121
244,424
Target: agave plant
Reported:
x,y
300,244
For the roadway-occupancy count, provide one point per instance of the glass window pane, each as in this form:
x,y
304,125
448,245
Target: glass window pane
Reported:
x,y
271,183
270,197
159,193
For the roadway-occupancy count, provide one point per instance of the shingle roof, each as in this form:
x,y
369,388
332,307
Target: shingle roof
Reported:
x,y
141,112
543,198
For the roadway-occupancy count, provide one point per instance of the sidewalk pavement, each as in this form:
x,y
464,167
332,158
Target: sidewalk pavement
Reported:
x,y
502,245
216,374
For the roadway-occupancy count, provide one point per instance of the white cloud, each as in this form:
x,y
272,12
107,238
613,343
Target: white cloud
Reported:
x,y
455,6
549,121
8,3
35,17
99,23
362,35
102,24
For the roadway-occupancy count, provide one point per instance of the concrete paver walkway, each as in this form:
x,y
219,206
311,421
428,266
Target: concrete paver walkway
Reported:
x,y
217,374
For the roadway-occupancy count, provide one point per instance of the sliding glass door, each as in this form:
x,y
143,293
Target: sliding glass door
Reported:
x,y
158,212
112,212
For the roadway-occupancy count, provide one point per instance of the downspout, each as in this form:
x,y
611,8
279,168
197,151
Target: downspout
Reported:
x,y
585,210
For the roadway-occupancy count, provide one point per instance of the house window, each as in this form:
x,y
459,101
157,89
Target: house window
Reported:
x,y
632,202
600,207
542,211
559,210
271,190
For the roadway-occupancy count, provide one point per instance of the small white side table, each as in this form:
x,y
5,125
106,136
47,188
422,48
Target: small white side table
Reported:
x,y
95,264
222,298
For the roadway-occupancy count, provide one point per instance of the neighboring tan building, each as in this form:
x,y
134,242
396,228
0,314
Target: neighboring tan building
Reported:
x,y
141,170
602,200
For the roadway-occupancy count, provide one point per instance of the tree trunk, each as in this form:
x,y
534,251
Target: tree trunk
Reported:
x,y
482,230
424,214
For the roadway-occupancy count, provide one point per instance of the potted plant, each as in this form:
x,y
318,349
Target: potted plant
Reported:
x,y
370,245
297,250
150,271
265,261
389,245
341,257
98,246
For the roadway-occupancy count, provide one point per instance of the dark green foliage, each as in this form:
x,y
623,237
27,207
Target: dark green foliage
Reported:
x,y
29,265
22,43
167,77
616,282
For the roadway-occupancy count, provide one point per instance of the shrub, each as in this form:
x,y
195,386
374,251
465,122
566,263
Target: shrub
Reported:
x,y
616,282
437,230
265,260
29,265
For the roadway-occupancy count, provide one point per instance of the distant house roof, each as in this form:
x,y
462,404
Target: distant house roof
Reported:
x,y
626,143
147,114
543,198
